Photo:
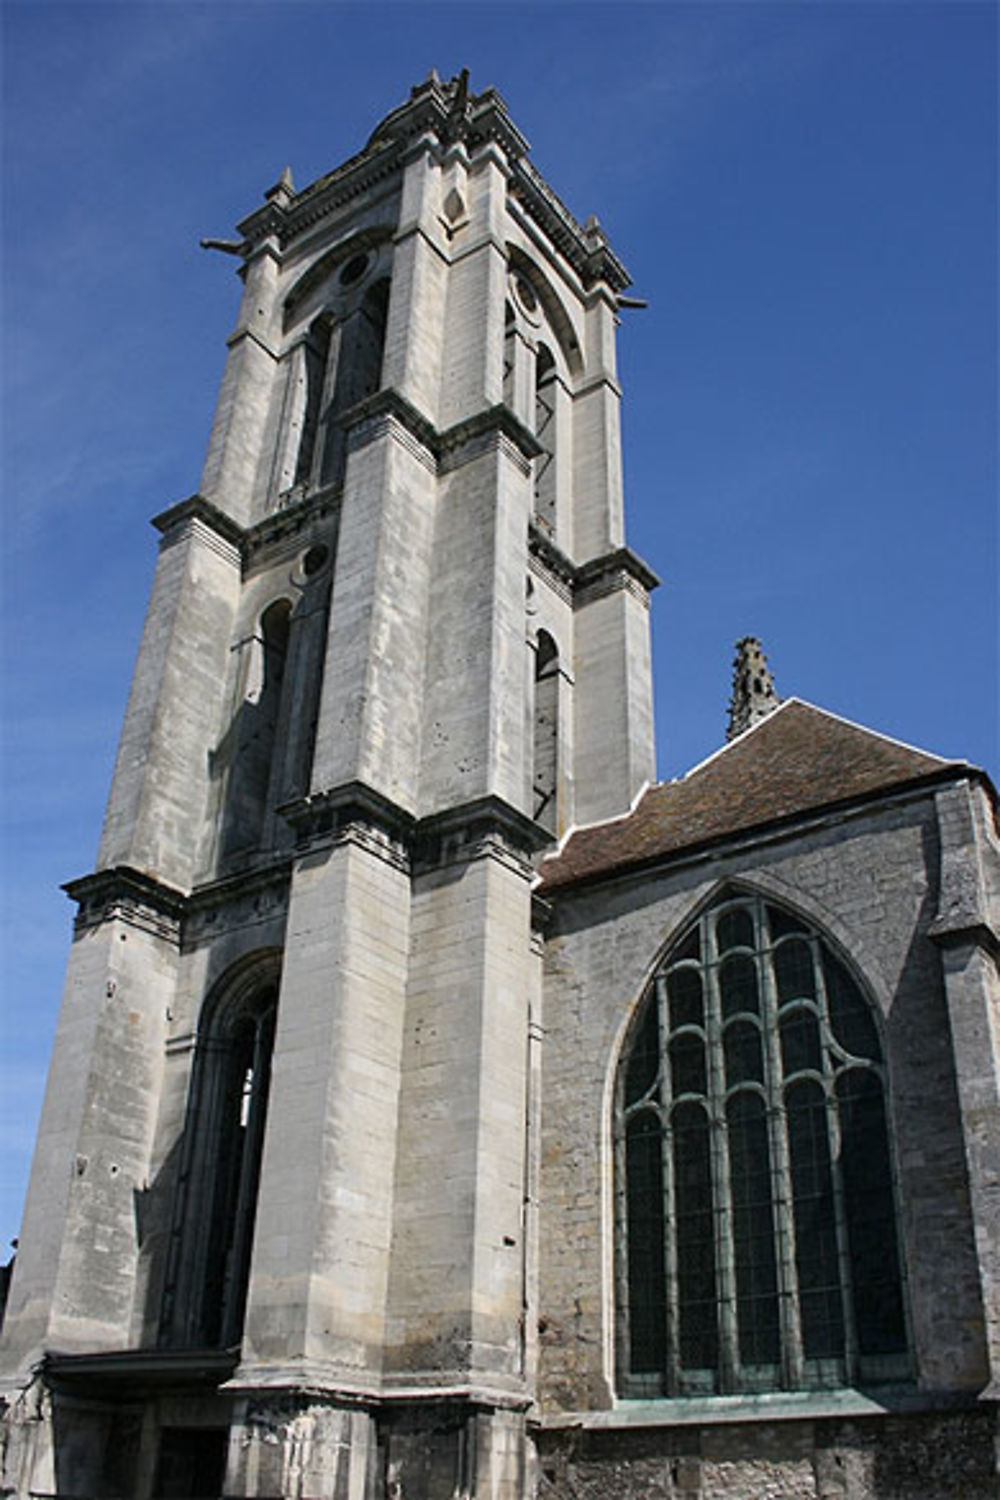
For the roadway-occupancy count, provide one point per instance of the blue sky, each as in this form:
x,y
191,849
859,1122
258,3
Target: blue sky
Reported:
x,y
805,193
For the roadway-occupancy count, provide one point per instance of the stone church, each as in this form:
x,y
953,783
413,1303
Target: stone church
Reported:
x,y
440,1108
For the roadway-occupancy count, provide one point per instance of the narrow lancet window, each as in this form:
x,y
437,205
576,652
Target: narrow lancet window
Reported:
x,y
545,761
253,739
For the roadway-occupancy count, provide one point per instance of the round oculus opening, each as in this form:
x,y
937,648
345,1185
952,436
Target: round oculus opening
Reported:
x,y
354,270
314,560
526,293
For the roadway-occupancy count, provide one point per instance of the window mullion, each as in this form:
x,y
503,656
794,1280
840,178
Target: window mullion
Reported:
x,y
781,1176
672,1310
725,1254
621,1221
833,1130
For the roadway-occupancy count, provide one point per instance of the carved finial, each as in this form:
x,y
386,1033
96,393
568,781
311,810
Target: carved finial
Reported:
x,y
461,100
753,688
284,188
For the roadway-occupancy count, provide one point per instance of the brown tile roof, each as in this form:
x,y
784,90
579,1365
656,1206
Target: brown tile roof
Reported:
x,y
797,760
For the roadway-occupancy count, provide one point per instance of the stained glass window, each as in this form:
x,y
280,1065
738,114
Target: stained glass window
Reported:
x,y
759,1248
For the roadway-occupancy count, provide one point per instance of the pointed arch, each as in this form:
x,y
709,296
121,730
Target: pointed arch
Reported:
x,y
758,1243
323,270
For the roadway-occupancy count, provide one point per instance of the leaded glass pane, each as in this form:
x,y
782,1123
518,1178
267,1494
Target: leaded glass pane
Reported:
x,y
646,1270
744,1057
688,947
695,1238
738,985
800,1044
871,1223
687,1064
734,929
781,923
850,1016
753,1231
793,971
816,1262
684,990
644,1059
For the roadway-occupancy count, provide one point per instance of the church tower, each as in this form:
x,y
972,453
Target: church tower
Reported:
x,y
280,1237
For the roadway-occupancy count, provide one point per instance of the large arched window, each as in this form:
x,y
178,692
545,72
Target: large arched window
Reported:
x,y
756,1202
220,1173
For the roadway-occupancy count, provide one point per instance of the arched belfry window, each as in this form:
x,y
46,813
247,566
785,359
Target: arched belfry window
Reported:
x,y
209,1273
545,432
254,738
758,1246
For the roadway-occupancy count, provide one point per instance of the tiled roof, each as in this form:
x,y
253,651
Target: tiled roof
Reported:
x,y
797,760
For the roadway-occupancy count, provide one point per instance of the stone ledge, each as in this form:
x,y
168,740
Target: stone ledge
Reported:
x,y
335,1383
785,1406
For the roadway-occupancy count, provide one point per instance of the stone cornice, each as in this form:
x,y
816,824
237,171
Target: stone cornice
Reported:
x,y
196,508
971,935
621,561
453,445
485,826
122,1373
584,247
130,895
353,810
291,518
621,568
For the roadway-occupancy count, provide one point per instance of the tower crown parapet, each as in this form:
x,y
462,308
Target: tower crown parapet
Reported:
x,y
449,115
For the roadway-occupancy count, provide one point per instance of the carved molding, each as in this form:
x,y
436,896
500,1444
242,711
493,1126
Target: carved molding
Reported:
x,y
129,896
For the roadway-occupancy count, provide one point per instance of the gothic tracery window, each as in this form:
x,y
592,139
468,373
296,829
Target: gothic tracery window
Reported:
x,y
758,1228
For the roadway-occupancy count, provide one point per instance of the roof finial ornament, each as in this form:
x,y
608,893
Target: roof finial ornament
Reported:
x,y
753,688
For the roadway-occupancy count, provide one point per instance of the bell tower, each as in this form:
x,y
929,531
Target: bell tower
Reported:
x,y
279,1237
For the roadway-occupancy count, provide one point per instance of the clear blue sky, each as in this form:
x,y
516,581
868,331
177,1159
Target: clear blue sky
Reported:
x,y
805,193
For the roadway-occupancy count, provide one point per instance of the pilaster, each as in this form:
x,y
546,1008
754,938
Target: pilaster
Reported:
x,y
157,808
613,692
321,1245
965,930
370,719
76,1270
233,462
458,1281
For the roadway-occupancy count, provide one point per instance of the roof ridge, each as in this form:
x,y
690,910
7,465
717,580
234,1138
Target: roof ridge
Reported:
x,y
875,734
738,739
878,734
